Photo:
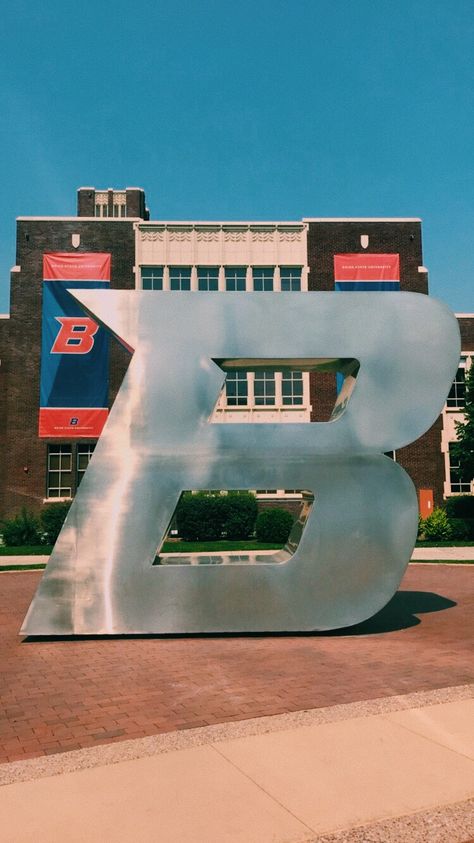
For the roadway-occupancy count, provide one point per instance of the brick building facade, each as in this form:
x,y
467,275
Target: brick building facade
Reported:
x,y
158,255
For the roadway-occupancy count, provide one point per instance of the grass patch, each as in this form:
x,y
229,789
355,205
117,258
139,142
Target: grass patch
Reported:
x,y
38,566
443,561
217,546
34,550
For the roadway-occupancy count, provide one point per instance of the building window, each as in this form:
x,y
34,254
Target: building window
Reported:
x,y
263,278
235,277
208,278
101,204
119,210
264,388
456,484
152,277
59,479
180,277
101,210
84,453
236,389
290,279
457,393
292,388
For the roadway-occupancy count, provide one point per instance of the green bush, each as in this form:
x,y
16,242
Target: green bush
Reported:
x,y
24,529
460,506
200,517
240,510
207,517
52,519
437,526
459,529
463,529
273,525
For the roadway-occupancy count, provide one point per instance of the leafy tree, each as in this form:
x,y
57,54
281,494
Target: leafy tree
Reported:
x,y
463,449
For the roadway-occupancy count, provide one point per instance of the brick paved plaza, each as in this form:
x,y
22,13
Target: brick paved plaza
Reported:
x,y
58,695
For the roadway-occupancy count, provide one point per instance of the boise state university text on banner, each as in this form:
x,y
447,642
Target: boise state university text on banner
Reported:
x,y
366,272
74,350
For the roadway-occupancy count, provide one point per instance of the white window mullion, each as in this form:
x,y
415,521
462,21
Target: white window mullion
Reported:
x,y
250,388
249,280
221,279
276,280
278,393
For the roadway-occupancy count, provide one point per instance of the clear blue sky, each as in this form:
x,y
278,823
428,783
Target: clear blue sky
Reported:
x,y
268,109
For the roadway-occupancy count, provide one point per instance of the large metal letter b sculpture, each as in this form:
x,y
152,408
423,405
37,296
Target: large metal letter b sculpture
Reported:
x,y
160,439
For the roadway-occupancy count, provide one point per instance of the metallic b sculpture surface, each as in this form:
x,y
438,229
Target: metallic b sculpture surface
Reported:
x,y
159,440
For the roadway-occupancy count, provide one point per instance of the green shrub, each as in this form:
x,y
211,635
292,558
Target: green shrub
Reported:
x,y
437,527
421,527
273,525
459,529
240,510
52,519
460,506
24,529
463,529
206,517
200,517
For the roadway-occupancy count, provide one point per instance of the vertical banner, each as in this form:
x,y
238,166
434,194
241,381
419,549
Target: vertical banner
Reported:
x,y
74,350
366,272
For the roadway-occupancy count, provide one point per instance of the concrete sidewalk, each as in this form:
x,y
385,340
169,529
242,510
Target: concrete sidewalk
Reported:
x,y
398,769
443,553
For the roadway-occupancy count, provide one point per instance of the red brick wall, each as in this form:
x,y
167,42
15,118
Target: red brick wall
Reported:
x,y
422,459
23,448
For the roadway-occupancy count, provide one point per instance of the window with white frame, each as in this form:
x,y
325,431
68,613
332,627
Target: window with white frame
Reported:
x,y
208,278
457,393
456,484
235,278
152,277
101,208
59,474
290,278
292,388
119,204
84,453
180,277
236,389
264,388
263,278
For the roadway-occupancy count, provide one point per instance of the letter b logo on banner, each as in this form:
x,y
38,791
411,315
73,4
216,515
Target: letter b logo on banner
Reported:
x,y
76,335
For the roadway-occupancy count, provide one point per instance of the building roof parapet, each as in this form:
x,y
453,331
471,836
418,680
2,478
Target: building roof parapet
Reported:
x,y
362,219
79,220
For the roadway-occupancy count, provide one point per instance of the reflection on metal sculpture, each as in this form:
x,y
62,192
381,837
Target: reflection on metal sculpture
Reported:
x,y
159,440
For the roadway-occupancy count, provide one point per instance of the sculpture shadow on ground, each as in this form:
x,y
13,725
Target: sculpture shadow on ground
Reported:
x,y
400,613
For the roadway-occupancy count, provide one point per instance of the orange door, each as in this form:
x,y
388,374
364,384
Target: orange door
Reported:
x,y
426,502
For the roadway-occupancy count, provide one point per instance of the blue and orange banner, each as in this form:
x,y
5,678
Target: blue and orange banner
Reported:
x,y
366,272
74,350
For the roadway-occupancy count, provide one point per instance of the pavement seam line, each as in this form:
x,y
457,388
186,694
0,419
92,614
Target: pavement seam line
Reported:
x,y
270,795
431,740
